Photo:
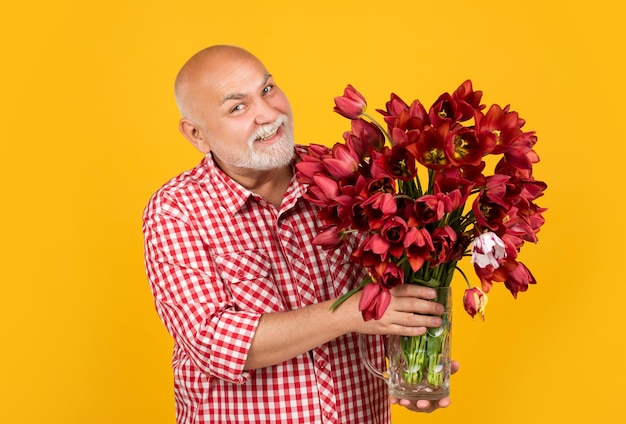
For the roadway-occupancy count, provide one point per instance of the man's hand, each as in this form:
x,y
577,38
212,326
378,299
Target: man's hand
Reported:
x,y
426,405
410,311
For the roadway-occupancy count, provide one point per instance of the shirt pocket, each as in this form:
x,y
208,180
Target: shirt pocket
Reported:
x,y
344,273
248,278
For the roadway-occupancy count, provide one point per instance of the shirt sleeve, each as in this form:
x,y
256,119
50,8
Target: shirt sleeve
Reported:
x,y
190,297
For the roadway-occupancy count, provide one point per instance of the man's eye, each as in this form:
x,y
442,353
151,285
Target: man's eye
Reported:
x,y
267,89
237,108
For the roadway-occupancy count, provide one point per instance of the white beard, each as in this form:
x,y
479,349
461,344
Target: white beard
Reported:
x,y
261,157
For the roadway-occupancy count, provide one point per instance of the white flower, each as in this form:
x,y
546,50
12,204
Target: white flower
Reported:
x,y
487,249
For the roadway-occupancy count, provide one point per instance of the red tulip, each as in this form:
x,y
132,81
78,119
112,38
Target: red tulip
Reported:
x,y
351,105
389,274
365,135
329,238
327,185
343,164
466,93
374,301
419,246
307,169
518,279
500,124
378,208
475,301
399,115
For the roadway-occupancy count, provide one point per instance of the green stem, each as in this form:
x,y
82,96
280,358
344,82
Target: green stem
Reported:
x,y
346,296
414,353
423,355
469,285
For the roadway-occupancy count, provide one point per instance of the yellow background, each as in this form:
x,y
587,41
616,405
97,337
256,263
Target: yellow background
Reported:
x,y
88,130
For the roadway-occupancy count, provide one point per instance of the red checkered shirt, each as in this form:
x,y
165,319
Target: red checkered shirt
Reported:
x,y
218,257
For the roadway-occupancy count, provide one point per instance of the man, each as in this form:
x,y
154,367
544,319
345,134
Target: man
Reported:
x,y
236,279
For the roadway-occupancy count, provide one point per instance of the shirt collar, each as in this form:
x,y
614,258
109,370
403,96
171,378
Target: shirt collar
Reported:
x,y
232,196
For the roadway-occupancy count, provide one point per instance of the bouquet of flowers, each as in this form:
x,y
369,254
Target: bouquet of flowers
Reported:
x,y
416,192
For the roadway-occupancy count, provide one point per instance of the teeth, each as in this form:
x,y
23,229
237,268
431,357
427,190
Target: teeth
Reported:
x,y
269,130
265,136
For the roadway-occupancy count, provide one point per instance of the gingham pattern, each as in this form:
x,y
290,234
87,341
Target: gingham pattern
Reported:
x,y
217,257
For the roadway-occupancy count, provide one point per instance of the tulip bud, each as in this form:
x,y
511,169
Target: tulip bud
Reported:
x,y
369,133
475,301
351,105
329,238
374,301
369,295
327,186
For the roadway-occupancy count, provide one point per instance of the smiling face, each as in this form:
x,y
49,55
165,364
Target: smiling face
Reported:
x,y
232,108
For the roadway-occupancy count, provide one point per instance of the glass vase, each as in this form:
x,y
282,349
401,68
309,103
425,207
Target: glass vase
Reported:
x,y
418,367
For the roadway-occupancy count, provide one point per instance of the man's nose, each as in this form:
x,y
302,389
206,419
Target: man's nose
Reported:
x,y
265,112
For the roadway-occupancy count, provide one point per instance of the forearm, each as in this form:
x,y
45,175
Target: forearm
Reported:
x,y
283,335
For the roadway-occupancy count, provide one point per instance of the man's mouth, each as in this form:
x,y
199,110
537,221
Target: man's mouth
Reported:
x,y
269,132
267,135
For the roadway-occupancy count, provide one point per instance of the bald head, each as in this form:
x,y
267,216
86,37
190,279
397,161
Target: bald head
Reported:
x,y
203,70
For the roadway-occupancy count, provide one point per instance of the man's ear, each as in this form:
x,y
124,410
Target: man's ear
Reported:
x,y
195,135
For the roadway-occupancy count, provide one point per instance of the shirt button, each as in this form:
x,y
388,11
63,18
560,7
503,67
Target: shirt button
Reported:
x,y
321,363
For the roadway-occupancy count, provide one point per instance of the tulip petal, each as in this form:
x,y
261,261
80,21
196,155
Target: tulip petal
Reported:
x,y
384,298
